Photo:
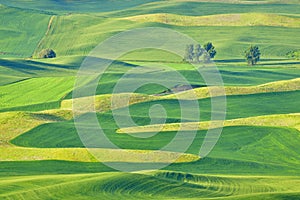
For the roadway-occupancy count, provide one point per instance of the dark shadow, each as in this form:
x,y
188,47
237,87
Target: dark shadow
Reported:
x,y
19,66
93,62
274,59
47,117
124,64
255,73
17,81
25,66
229,60
34,107
243,60
9,168
34,62
282,63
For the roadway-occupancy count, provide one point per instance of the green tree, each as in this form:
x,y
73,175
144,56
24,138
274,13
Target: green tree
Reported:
x,y
252,55
210,51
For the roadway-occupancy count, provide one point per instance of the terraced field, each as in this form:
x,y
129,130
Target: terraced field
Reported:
x,y
257,156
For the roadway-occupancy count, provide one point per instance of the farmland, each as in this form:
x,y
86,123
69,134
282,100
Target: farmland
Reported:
x,y
43,156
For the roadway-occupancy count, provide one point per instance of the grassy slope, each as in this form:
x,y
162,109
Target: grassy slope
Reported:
x,y
86,29
84,155
200,93
17,70
143,186
207,8
99,28
281,120
63,134
238,106
240,76
48,89
16,123
232,41
22,31
245,19
63,24
103,102
237,143
232,76
232,156
65,6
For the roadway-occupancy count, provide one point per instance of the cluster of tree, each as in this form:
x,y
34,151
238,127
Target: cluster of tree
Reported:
x,y
194,53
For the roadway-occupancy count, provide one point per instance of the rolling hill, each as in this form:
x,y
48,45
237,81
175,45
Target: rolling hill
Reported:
x,y
257,155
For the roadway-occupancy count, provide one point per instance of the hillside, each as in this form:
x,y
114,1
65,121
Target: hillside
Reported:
x,y
160,130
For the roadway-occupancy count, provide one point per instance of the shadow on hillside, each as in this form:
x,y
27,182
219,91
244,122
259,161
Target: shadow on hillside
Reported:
x,y
19,66
96,62
283,63
256,73
35,63
76,6
33,107
243,60
29,66
229,60
273,59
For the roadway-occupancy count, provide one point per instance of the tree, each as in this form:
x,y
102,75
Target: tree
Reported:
x,y
252,55
295,54
210,51
189,53
198,51
47,53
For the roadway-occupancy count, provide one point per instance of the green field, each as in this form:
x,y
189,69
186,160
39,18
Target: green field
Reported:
x,y
257,156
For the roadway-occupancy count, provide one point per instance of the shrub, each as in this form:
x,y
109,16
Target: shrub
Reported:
x,y
295,54
47,53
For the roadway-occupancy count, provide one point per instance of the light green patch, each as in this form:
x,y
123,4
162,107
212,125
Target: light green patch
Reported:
x,y
13,124
284,120
245,19
35,91
102,155
206,92
107,102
